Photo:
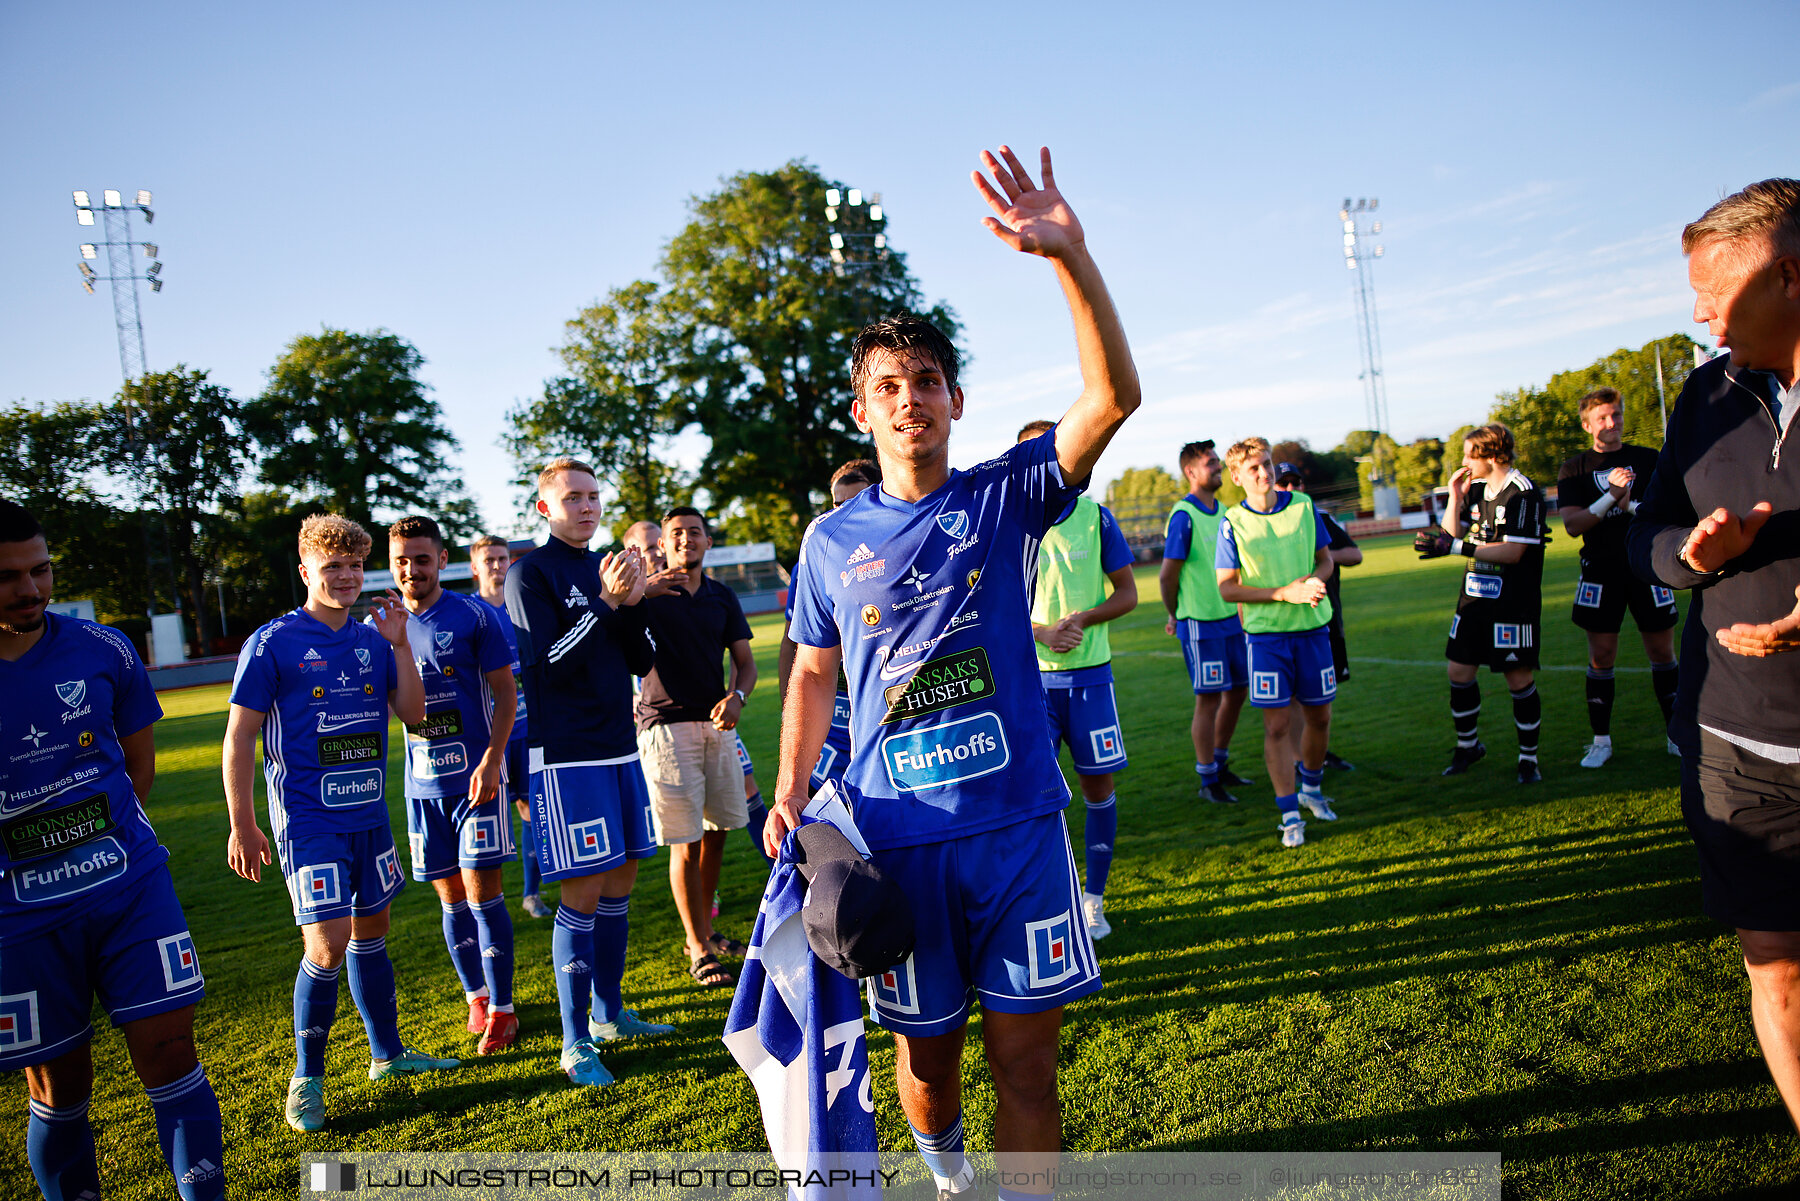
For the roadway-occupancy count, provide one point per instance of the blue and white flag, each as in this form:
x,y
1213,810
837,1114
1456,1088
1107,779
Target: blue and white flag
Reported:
x,y
796,1028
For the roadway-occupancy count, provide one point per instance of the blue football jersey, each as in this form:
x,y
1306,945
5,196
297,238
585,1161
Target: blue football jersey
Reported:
x,y
930,603
70,825
838,737
325,739
455,643
512,645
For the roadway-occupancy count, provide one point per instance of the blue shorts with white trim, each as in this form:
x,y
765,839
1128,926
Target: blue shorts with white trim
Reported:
x,y
590,817
999,920
340,875
447,834
132,949
1087,718
1292,667
1214,651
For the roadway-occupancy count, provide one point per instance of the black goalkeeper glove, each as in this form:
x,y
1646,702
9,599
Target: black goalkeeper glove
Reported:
x,y
1433,544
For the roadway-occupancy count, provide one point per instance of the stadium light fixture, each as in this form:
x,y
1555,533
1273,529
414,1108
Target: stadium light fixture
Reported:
x,y
881,241
156,285
830,212
150,250
84,216
832,197
875,212
855,197
837,241
86,271
81,199
143,198
89,285
155,270
837,255
112,198
89,251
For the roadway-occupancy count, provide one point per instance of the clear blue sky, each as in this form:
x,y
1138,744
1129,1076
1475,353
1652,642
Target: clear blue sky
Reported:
x,y
469,176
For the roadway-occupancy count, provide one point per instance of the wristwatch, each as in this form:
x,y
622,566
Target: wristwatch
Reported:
x,y
739,693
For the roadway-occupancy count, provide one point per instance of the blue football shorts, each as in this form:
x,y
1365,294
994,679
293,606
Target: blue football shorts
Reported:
x,y
743,754
516,782
131,948
1087,718
589,818
999,920
1215,661
448,834
1292,667
340,875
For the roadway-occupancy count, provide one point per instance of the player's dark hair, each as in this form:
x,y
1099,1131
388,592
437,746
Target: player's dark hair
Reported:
x,y
689,511
857,471
903,333
17,524
416,526
1194,451
1493,442
1601,396
1034,429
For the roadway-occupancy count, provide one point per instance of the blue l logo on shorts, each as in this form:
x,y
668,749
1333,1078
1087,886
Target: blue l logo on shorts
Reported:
x,y
181,967
965,749
19,1021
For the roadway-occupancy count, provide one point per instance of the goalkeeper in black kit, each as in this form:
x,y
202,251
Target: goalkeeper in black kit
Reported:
x,y
1496,521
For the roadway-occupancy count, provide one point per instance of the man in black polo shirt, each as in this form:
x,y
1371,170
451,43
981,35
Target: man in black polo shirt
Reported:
x,y
685,717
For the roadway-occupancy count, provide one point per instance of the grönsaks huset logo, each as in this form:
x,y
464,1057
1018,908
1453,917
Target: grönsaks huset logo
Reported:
x,y
965,749
940,683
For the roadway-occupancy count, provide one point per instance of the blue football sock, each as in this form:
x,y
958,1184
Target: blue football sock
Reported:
x,y
612,927
372,988
464,941
534,880
1102,828
1289,803
315,1007
759,813
60,1146
495,927
192,1135
1209,774
943,1154
1221,757
1309,779
572,952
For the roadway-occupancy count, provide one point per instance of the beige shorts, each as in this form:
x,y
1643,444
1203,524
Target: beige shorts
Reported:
x,y
696,782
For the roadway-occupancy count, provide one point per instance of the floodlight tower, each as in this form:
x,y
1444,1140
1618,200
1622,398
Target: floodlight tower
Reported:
x,y
121,272
1360,253
858,231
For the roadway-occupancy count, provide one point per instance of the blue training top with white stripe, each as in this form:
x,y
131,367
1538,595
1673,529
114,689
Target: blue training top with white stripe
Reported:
x,y
70,825
930,602
325,738
455,642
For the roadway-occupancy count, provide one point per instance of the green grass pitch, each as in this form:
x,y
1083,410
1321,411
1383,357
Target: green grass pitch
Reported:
x,y
1454,964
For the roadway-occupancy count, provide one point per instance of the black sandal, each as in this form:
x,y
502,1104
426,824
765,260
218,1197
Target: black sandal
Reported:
x,y
709,971
724,944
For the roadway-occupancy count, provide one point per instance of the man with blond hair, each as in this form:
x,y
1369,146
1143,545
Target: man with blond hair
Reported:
x,y
318,687
1722,517
1597,491
581,638
1273,558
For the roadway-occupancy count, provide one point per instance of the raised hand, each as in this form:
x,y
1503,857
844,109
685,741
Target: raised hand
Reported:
x,y
1458,484
1433,543
390,620
1029,218
622,578
1618,481
1722,536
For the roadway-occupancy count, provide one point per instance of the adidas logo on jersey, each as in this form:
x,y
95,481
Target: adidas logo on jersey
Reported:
x,y
575,598
311,655
862,555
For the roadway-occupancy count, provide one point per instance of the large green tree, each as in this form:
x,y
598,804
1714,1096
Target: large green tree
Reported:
x,y
1546,421
1418,466
346,421
618,407
183,444
54,469
761,318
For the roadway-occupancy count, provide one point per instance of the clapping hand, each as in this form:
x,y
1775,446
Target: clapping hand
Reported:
x,y
1769,638
622,578
1722,536
1618,481
1030,219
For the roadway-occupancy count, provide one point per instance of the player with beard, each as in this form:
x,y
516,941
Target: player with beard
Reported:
x,y
489,559
1210,630
1597,491
314,683
456,819
1495,520
916,587
87,904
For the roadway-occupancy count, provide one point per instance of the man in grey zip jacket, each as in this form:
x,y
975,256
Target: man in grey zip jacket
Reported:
x,y
1722,517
